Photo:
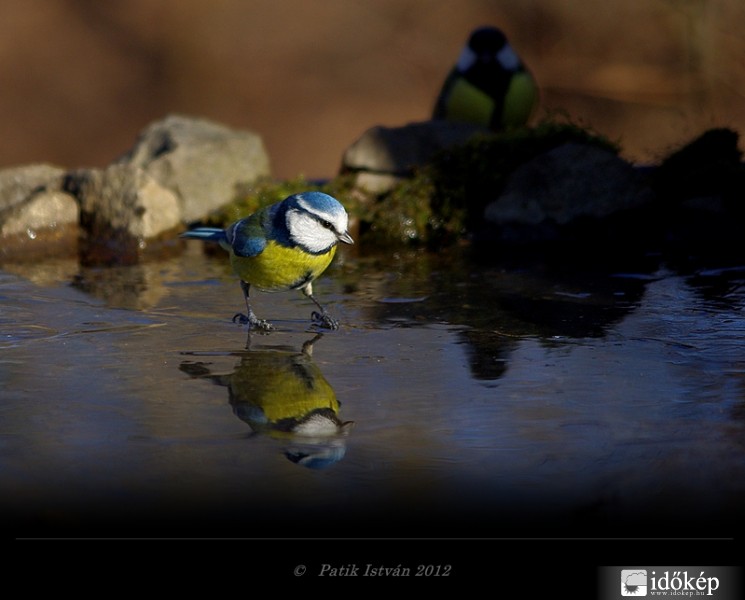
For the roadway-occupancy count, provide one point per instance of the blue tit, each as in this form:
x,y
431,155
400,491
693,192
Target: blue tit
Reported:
x,y
489,85
285,395
281,247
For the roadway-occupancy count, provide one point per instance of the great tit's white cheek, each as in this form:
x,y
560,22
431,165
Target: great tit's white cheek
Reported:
x,y
466,60
508,58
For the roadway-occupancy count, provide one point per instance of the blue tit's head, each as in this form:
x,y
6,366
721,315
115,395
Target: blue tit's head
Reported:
x,y
317,456
316,221
488,47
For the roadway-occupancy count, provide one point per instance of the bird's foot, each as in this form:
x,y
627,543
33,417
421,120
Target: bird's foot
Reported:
x,y
325,320
252,322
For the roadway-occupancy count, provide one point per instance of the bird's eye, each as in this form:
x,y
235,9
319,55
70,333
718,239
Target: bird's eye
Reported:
x,y
327,224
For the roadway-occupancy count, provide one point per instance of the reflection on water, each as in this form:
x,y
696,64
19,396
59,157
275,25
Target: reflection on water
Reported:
x,y
569,394
283,393
497,307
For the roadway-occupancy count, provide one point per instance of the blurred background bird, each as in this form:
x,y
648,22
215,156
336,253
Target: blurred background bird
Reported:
x,y
489,84
284,246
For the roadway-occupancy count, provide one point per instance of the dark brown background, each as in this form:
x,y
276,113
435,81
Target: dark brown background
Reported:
x,y
80,78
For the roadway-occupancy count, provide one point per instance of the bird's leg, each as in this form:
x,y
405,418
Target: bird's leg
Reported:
x,y
250,318
307,348
322,319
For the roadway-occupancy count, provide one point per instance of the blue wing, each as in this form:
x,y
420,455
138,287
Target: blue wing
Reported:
x,y
246,237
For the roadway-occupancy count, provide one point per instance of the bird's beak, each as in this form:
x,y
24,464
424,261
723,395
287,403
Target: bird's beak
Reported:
x,y
346,238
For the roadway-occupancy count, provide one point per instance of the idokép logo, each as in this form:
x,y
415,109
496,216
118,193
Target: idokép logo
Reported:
x,y
633,582
720,583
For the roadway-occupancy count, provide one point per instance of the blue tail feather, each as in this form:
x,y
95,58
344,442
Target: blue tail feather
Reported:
x,y
208,234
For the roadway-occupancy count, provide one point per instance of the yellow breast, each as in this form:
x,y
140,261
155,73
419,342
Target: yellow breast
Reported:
x,y
520,100
468,103
283,385
278,268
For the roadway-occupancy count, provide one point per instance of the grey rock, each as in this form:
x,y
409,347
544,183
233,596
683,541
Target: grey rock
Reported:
x,y
33,207
571,181
44,210
179,171
18,184
383,156
204,164
124,199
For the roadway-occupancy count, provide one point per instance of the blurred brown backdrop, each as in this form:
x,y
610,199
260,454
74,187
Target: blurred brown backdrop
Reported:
x,y
80,78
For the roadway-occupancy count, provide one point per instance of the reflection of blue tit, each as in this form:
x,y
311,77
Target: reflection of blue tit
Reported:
x,y
315,455
285,246
284,392
489,85
285,395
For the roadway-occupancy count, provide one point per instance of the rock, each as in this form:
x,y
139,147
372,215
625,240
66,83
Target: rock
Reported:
x,y
569,182
124,197
43,210
180,170
383,156
18,184
708,167
121,207
204,164
36,217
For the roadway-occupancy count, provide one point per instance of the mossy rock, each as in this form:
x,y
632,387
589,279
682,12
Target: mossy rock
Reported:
x,y
440,202
445,199
708,166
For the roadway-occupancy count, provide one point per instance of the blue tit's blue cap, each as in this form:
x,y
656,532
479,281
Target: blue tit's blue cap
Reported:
x,y
321,201
316,457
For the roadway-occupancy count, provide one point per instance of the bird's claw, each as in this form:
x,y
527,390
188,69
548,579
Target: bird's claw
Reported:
x,y
324,320
252,322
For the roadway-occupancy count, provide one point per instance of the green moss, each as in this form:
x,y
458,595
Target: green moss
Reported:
x,y
255,196
268,191
402,215
441,202
446,198
468,177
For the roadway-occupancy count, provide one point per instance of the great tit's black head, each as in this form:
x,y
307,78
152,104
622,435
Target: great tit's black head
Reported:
x,y
486,42
488,48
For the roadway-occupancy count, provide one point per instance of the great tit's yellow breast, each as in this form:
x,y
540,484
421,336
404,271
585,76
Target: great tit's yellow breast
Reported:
x,y
466,102
520,100
278,268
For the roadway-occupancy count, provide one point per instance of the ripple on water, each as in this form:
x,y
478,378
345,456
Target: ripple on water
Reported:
x,y
14,335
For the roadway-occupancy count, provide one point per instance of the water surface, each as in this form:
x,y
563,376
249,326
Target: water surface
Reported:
x,y
486,400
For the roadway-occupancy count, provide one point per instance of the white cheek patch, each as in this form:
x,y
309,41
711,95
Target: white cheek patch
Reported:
x,y
308,233
466,60
341,222
508,59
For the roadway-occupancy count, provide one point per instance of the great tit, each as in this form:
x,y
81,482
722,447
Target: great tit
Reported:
x,y
284,246
489,85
